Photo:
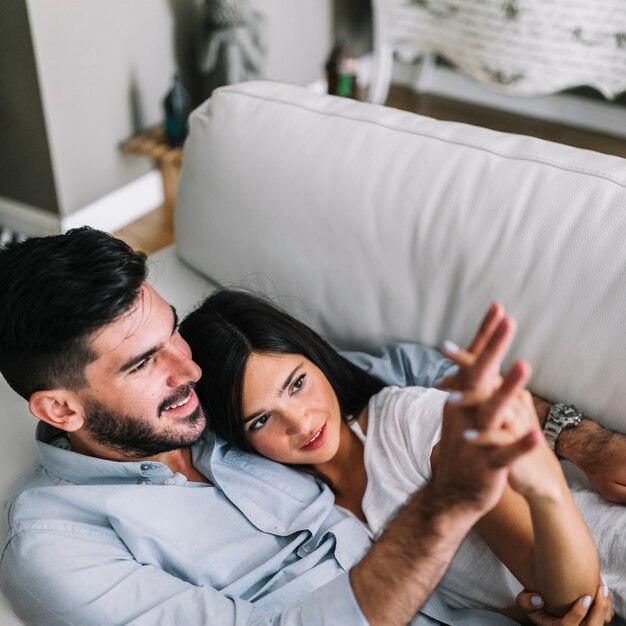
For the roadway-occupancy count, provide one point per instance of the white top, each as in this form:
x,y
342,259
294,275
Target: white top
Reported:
x,y
403,427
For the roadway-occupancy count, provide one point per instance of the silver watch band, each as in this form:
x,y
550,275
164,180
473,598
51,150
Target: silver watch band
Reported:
x,y
551,432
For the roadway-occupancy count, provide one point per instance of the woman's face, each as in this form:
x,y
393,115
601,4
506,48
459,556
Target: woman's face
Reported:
x,y
290,411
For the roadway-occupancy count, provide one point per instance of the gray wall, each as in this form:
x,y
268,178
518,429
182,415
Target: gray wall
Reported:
x,y
103,67
25,164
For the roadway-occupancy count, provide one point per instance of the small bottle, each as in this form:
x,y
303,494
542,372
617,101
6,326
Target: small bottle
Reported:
x,y
341,73
177,105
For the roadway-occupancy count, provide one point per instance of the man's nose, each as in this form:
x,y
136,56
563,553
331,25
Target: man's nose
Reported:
x,y
182,368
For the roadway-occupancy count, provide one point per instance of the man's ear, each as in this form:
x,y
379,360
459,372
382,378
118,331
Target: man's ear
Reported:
x,y
59,408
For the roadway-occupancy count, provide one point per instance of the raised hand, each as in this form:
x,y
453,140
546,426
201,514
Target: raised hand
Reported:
x,y
600,453
479,408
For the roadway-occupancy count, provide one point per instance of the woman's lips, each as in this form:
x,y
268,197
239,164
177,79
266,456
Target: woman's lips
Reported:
x,y
316,441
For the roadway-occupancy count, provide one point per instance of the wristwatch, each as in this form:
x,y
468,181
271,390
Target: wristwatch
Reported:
x,y
559,417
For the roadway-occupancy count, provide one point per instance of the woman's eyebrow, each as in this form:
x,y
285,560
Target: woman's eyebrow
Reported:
x,y
289,378
280,392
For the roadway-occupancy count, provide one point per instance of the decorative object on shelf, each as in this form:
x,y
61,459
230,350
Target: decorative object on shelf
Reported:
x,y
154,145
341,73
8,235
232,44
522,47
177,105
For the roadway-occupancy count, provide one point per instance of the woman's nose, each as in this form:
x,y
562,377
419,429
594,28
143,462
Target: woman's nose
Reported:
x,y
297,422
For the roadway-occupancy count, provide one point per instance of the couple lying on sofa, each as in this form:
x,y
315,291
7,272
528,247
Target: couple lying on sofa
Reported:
x,y
139,514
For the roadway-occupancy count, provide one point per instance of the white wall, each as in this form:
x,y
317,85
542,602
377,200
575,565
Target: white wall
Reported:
x,y
103,68
92,58
300,37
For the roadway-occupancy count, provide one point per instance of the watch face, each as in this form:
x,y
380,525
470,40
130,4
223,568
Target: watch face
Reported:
x,y
566,414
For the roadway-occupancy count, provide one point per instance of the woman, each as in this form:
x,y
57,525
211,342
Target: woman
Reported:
x,y
272,385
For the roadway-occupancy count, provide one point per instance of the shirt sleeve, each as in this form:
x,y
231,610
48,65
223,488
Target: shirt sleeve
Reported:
x,y
404,364
86,576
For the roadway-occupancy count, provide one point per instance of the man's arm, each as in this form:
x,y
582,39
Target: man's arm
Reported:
x,y
599,452
405,364
85,575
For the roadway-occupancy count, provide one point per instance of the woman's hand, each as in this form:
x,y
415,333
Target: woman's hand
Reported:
x,y
529,475
584,612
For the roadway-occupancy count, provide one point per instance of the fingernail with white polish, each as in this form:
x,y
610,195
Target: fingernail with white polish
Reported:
x,y
605,591
470,435
536,601
450,346
454,369
586,602
455,396
603,579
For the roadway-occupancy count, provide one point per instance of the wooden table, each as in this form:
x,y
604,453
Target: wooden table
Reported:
x,y
152,144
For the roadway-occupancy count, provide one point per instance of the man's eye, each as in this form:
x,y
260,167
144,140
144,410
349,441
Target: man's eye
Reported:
x,y
259,423
298,383
142,365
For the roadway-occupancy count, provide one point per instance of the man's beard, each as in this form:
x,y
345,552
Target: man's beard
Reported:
x,y
135,439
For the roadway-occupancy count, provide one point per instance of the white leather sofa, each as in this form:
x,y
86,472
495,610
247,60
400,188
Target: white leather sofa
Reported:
x,y
377,225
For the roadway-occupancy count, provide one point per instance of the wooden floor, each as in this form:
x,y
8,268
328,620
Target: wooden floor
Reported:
x,y
156,229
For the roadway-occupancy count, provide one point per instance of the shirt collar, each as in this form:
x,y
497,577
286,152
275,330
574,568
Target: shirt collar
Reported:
x,y
81,469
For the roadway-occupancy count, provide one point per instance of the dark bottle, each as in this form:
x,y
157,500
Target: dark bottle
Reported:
x,y
177,105
341,73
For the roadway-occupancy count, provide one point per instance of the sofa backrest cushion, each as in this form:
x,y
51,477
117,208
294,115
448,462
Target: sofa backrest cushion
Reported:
x,y
376,225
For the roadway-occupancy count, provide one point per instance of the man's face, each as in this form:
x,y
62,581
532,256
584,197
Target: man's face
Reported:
x,y
140,400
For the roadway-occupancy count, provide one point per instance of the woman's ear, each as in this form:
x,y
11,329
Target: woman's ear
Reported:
x,y
59,408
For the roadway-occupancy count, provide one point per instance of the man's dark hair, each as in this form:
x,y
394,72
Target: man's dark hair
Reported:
x,y
54,292
229,326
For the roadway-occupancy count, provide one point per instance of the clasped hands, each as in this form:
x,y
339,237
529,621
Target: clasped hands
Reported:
x,y
491,434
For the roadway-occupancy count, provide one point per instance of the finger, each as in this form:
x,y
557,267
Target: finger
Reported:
x,y
488,325
531,604
612,491
600,608
576,615
457,354
506,397
503,456
488,438
486,369
529,601
467,399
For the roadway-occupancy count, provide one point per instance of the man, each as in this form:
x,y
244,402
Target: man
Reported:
x,y
138,515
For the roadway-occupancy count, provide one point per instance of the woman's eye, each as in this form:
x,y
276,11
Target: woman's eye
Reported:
x,y
298,383
259,423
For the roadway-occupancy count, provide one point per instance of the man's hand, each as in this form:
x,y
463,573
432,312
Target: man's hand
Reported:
x,y
585,612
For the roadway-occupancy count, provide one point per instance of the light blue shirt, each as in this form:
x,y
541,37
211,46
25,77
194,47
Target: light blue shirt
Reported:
x,y
106,543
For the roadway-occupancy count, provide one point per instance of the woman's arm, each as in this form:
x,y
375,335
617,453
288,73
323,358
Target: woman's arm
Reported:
x,y
544,542
536,529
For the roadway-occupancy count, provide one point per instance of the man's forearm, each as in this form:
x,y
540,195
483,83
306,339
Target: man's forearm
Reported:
x,y
394,580
576,444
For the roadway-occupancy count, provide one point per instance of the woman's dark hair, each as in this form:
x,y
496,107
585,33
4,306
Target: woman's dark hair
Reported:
x,y
229,326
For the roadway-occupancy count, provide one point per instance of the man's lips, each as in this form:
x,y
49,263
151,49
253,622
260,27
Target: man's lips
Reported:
x,y
315,441
180,403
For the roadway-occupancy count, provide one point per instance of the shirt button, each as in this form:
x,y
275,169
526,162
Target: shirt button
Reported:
x,y
169,481
281,529
306,549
